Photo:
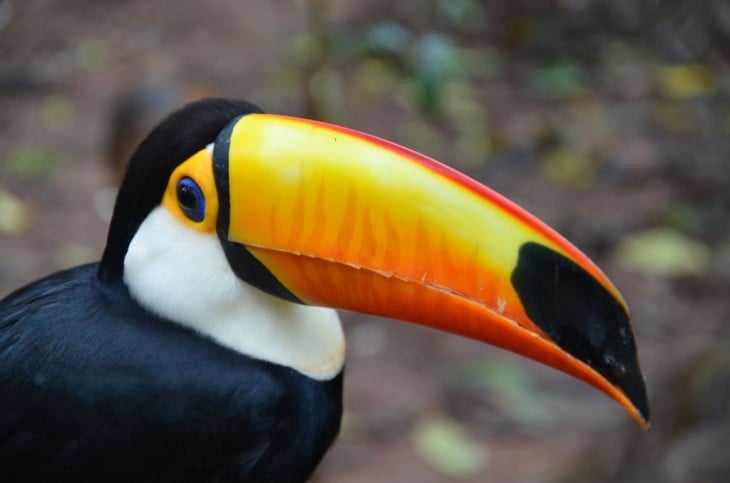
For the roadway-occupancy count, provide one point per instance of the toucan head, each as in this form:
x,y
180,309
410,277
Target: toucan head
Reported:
x,y
250,227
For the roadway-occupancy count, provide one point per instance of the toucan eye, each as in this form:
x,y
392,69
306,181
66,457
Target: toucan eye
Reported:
x,y
191,200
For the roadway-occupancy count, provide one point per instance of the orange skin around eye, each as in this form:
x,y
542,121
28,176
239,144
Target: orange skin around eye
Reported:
x,y
199,168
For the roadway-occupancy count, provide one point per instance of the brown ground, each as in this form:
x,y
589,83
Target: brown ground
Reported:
x,y
605,119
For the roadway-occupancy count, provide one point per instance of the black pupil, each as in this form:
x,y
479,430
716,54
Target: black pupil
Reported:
x,y
186,197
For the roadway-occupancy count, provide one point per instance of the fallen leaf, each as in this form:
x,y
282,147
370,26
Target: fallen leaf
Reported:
x,y
568,168
57,112
559,80
28,162
686,81
13,214
446,446
663,252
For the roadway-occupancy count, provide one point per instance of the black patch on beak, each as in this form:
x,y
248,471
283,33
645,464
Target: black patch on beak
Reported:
x,y
246,266
581,316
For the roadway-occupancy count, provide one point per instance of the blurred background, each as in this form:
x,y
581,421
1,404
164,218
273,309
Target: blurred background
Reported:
x,y
610,120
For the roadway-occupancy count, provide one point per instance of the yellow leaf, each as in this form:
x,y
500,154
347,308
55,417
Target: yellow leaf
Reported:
x,y
663,252
13,214
569,168
686,81
446,446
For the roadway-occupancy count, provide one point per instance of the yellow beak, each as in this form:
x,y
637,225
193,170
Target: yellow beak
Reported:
x,y
346,220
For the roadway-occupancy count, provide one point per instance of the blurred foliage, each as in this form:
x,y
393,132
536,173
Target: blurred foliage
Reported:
x,y
569,168
447,447
57,112
465,15
28,162
92,54
663,252
558,80
436,62
306,47
430,61
519,395
14,216
436,67
686,81
387,38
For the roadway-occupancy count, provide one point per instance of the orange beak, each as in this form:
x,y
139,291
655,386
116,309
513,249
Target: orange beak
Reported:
x,y
342,219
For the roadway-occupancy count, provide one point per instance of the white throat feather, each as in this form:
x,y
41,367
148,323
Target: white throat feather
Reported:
x,y
183,275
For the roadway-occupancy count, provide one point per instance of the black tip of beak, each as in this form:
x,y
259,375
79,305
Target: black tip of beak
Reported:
x,y
581,316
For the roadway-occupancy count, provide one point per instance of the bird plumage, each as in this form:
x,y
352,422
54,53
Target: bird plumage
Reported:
x,y
95,388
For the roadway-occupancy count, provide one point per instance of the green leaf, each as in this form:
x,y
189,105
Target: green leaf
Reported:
x,y
387,38
28,162
436,62
447,446
466,15
663,252
558,80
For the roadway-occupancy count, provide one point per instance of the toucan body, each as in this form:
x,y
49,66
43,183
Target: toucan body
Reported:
x,y
102,390
204,346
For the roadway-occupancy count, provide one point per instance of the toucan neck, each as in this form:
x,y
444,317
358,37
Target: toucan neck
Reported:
x,y
183,276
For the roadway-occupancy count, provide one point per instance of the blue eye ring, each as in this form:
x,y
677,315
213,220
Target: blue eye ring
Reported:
x,y
191,199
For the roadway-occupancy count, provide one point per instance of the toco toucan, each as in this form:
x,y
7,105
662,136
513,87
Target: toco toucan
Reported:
x,y
205,345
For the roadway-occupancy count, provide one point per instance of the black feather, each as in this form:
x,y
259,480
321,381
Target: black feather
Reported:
x,y
178,137
94,388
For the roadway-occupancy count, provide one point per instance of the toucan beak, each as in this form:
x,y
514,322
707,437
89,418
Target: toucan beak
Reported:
x,y
343,219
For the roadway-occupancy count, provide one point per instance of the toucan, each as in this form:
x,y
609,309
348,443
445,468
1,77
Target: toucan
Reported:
x,y
205,344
